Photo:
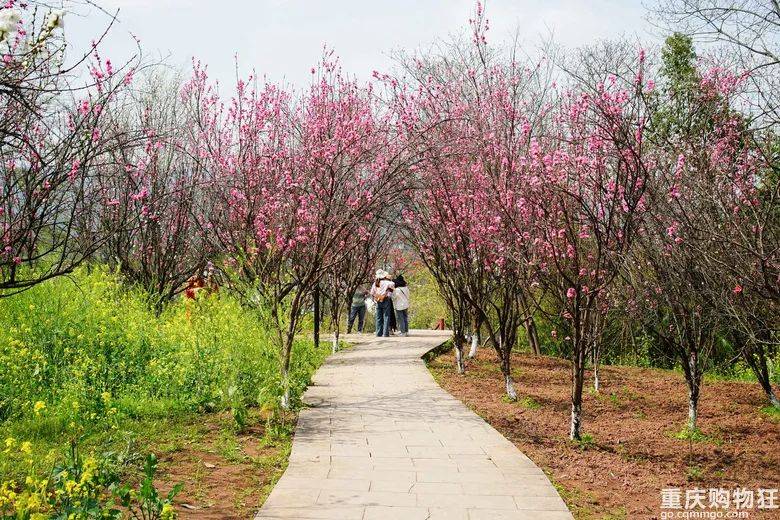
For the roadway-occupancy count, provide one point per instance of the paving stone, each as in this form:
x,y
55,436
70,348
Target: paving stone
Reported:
x,y
366,498
383,441
505,514
317,512
447,513
322,484
394,513
444,488
393,486
467,501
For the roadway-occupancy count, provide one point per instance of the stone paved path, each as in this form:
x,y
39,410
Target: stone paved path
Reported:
x,y
383,441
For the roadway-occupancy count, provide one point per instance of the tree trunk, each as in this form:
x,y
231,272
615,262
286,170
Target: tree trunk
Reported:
x,y
317,314
596,367
755,357
506,369
285,401
335,342
289,339
474,344
460,363
576,421
773,398
693,404
475,337
693,378
533,335
511,393
577,383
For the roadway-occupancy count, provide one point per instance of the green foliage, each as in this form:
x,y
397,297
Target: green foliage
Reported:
x,y
694,473
92,350
585,442
772,412
145,503
85,487
86,357
679,62
530,403
238,408
692,435
426,306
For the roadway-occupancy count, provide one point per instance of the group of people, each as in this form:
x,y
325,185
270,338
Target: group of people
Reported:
x,y
391,299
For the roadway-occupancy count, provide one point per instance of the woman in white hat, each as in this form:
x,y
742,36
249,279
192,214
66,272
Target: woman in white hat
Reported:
x,y
381,290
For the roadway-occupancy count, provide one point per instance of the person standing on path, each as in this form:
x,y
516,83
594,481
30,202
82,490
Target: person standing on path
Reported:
x,y
358,310
400,297
381,291
391,312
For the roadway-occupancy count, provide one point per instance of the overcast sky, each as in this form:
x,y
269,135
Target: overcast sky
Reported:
x,y
283,39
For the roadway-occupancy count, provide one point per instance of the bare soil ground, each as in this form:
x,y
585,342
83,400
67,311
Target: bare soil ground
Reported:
x,y
225,474
632,454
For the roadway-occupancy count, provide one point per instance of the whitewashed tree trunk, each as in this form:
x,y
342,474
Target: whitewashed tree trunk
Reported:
x,y
460,362
693,378
285,400
335,343
474,345
511,393
576,421
692,410
596,380
578,382
773,399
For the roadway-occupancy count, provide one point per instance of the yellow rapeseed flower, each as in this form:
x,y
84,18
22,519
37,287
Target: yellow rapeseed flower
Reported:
x,y
168,513
38,407
70,485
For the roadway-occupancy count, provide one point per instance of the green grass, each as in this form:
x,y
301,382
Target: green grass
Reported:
x,y
426,306
586,442
530,403
695,435
583,505
772,412
617,398
694,473
87,359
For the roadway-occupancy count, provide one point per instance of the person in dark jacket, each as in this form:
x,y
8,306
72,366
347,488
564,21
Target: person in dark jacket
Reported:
x,y
358,310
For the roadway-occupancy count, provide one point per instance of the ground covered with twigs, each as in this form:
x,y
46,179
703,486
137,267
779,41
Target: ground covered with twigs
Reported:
x,y
225,474
631,450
